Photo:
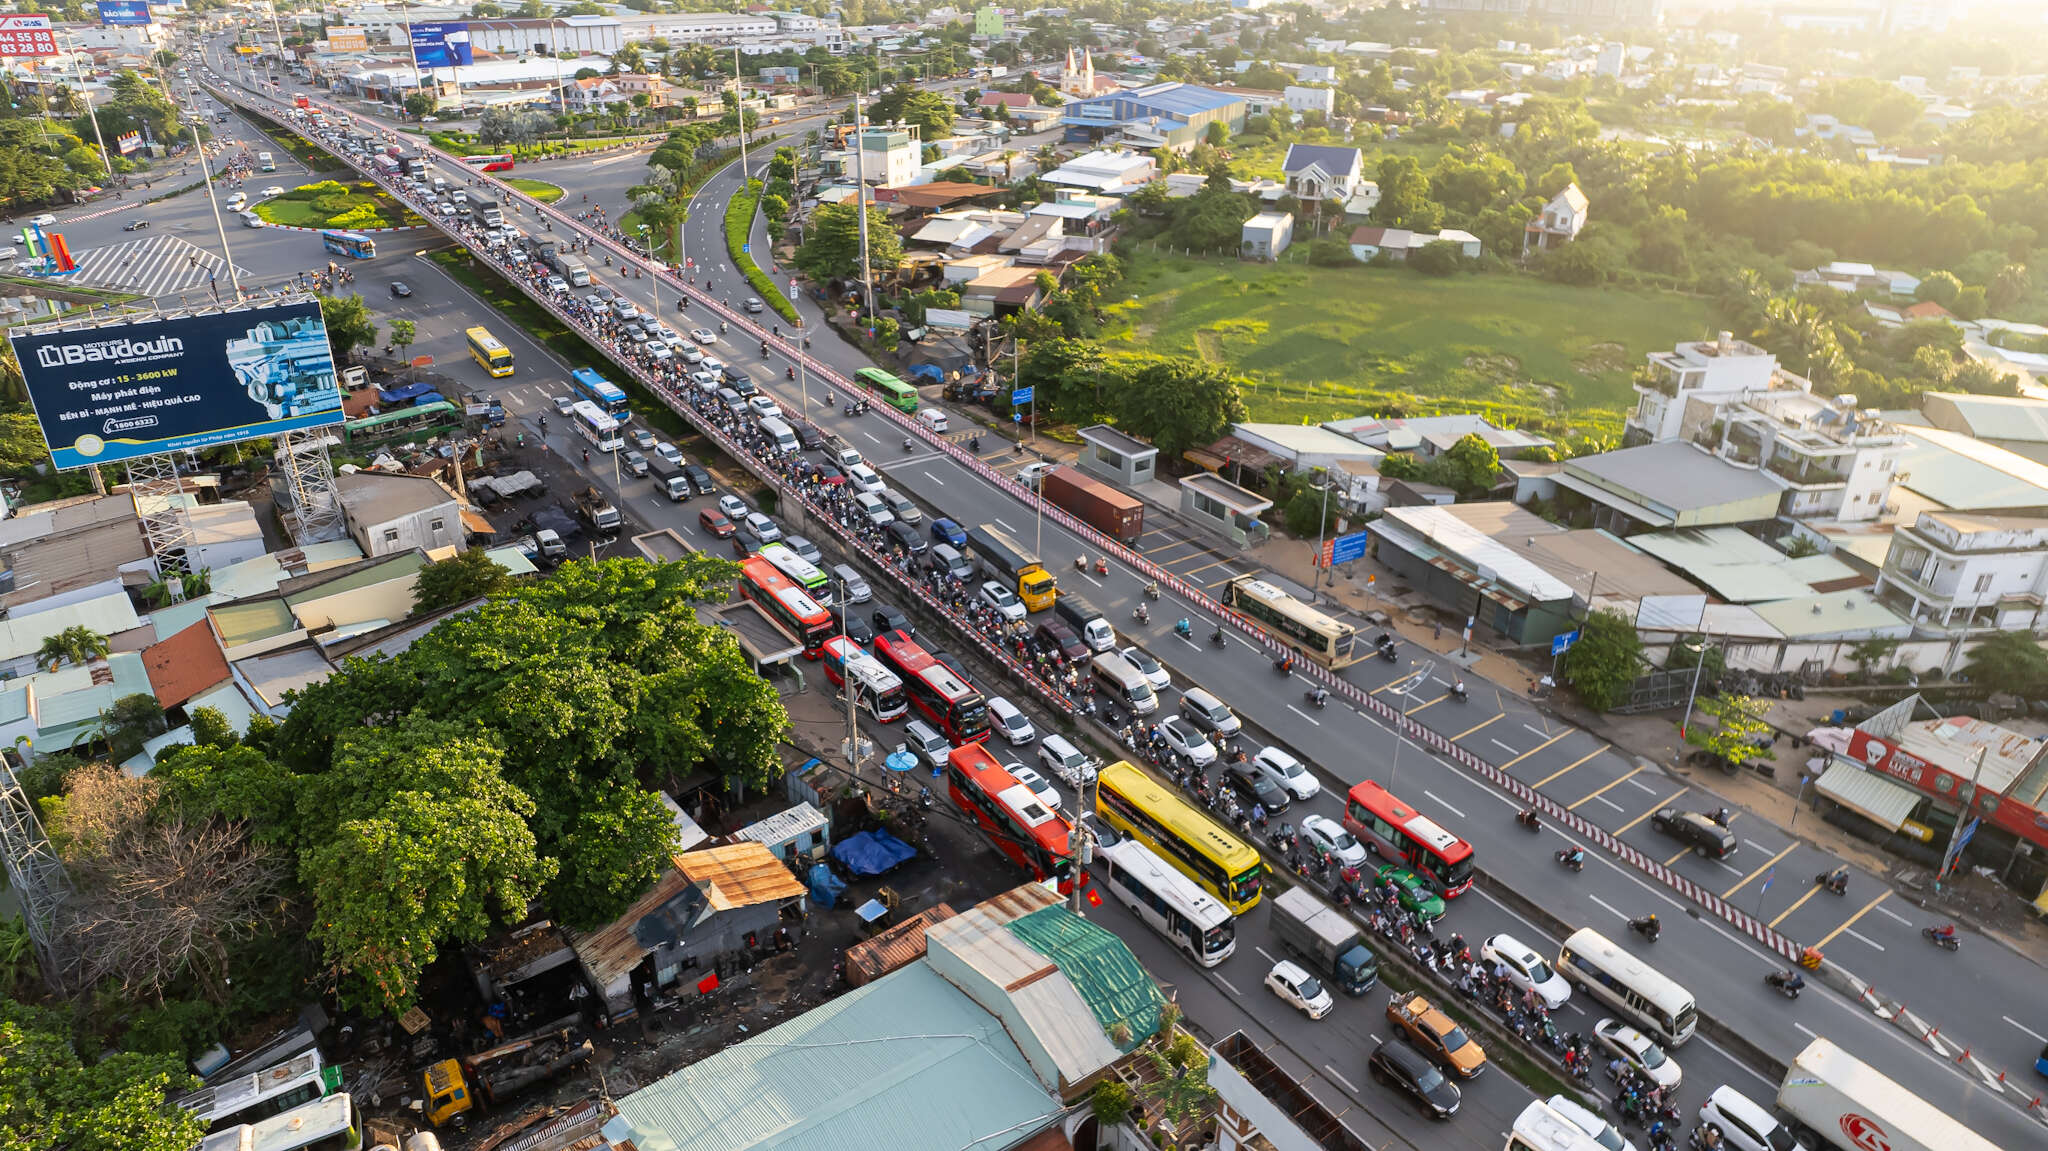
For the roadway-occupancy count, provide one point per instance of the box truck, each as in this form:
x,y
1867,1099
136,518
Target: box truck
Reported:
x,y
1323,938
1118,515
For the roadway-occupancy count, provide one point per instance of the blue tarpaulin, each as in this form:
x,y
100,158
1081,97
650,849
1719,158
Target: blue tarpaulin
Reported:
x,y
825,886
929,372
872,852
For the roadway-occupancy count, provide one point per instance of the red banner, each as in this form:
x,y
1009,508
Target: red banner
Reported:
x,y
27,36
2010,814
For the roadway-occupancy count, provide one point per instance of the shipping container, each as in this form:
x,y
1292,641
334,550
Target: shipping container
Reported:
x,y
1116,514
898,947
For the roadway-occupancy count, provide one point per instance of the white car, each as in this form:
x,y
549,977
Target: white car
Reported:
x,y
673,339
1148,667
558,285
1183,737
704,335
273,190
1635,1048
564,405
1299,989
762,528
672,454
1066,761
1526,969
735,508
1015,725
864,479
873,509
691,354
1287,773
1046,793
1003,600
764,408
1325,835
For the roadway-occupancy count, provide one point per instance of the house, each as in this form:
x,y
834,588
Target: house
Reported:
x,y
1468,245
1663,485
1367,243
1316,172
1306,99
1304,448
1558,223
388,514
2019,424
1710,373
888,155
185,665
110,614
1112,172
1166,115
1002,291
1267,234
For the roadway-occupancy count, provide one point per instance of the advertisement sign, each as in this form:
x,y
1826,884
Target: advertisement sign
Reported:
x,y
340,39
27,36
128,142
113,12
439,45
138,388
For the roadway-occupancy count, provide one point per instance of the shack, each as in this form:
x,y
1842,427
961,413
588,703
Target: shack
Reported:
x,y
799,836
899,946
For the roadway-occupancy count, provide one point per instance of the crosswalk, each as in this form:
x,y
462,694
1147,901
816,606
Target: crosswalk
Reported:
x,y
152,266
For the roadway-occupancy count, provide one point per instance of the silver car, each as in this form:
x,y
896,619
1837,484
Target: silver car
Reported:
x,y
857,589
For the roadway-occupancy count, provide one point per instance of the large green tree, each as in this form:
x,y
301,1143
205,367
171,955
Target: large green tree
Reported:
x,y
1179,402
930,111
348,323
1605,661
51,1100
831,247
2009,661
458,579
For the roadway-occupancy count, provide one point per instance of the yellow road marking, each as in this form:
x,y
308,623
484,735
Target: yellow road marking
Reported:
x,y
1846,924
1654,810
1204,567
1476,727
1605,790
1560,771
1744,881
1796,904
1534,750
1682,852
1420,706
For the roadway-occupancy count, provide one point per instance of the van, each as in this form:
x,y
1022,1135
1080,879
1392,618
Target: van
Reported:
x,y
900,504
926,744
1208,713
932,418
238,201
1125,683
440,185
1590,1122
264,161
1744,1125
1091,625
947,558
779,433
807,433
732,401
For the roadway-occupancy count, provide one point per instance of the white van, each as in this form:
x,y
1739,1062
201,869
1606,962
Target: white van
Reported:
x,y
784,439
1125,683
264,162
251,220
238,201
933,418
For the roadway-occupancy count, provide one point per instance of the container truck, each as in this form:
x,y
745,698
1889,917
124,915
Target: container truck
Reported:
x,y
1013,567
1325,939
573,268
669,478
1849,1104
486,212
1118,515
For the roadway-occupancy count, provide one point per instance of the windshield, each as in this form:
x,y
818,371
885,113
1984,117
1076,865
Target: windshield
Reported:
x,y
1458,874
1219,937
1609,1138
1141,661
1653,1056
1311,989
1345,842
1429,1080
1781,1139
1540,972
1455,1039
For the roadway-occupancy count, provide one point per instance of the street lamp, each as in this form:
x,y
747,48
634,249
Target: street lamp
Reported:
x,y
1421,675
1700,649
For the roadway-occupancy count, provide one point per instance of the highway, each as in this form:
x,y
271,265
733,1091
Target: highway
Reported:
x,y
1869,931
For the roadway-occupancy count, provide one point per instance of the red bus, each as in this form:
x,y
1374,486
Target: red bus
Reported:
x,y
489,163
1406,836
948,701
1028,833
786,603
875,687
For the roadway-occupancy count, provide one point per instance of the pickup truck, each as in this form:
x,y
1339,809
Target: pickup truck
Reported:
x,y
1437,1035
597,511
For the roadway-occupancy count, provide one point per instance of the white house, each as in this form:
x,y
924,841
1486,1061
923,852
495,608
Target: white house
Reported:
x,y
1957,572
1104,171
1559,223
1267,234
1303,99
1317,172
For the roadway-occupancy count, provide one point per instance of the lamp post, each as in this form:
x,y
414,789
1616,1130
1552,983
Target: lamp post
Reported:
x,y
1421,674
1694,694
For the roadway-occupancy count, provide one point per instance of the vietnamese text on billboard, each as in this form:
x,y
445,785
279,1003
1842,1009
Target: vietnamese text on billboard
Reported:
x,y
124,12
27,36
108,394
439,45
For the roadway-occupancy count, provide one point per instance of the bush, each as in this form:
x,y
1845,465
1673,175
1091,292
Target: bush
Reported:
x,y
1328,253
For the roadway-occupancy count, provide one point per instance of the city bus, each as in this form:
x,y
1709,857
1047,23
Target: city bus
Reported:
x,y
1026,831
608,396
497,163
1196,845
1592,963
418,422
354,245
801,572
951,703
786,604
1329,642
1170,903
893,391
494,357
1405,836
249,1098
875,688
329,1124
600,431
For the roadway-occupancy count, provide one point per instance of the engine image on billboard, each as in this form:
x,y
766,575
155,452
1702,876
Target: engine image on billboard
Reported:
x,y
112,393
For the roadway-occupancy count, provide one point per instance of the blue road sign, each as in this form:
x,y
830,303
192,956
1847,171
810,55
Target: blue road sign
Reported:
x,y
1560,644
1021,396
1016,417
746,247
1346,548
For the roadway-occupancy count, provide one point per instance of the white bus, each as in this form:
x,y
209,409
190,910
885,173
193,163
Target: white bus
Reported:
x,y
602,431
1170,903
799,571
875,687
248,1098
1596,966
1541,1128
330,1124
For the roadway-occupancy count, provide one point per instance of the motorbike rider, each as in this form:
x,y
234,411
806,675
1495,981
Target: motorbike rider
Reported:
x,y
1792,980
1575,856
1945,931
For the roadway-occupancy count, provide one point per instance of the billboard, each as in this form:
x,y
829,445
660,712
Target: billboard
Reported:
x,y
341,39
27,36
128,142
439,45
137,388
124,12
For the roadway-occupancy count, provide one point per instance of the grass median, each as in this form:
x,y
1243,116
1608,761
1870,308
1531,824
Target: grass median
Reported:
x,y
739,222
540,190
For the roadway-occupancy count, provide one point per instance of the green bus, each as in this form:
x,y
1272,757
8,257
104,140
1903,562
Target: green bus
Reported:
x,y
419,422
894,392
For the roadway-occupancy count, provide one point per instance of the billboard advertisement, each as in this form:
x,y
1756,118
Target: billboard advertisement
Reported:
x,y
128,142
27,36
340,39
439,45
138,388
124,12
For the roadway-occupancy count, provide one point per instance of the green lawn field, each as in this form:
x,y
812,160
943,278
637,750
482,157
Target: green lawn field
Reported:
x,y
540,190
1323,343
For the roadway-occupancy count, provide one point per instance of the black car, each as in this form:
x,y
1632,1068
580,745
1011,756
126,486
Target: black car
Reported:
x,y
1396,1064
807,433
737,380
854,627
698,477
1252,786
1696,830
907,537
889,619
401,289
135,226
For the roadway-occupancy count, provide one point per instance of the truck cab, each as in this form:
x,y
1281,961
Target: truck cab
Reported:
x,y
447,1092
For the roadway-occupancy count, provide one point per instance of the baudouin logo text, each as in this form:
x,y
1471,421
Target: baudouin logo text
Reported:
x,y
60,355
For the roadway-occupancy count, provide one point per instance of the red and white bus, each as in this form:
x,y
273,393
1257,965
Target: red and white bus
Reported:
x,y
786,603
951,703
1408,837
489,163
875,687
1027,832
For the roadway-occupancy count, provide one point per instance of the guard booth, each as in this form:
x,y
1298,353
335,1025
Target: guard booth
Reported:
x,y
1211,502
1122,460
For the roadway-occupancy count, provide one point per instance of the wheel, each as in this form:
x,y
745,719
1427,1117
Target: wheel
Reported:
x,y
1700,850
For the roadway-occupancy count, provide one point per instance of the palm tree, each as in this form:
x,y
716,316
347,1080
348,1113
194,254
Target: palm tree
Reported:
x,y
76,644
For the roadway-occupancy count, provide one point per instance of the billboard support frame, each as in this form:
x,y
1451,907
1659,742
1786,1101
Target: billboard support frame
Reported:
x,y
309,474
153,480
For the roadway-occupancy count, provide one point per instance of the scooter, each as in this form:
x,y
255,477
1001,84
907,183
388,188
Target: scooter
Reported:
x,y
1317,698
1142,614
1216,637
1787,983
1152,590
1184,629
1284,665
1388,653
1459,693
1647,927
1571,857
1527,818
1945,942
1836,882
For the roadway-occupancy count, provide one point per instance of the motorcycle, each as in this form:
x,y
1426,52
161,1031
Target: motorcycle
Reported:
x,y
789,373
1141,614
1284,665
924,798
1101,565
1836,882
1787,983
1945,942
1459,693
1318,698
907,448
1527,818
1388,653
1216,637
1571,857
1184,629
1647,927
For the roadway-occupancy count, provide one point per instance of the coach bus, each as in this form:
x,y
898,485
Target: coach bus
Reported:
x,y
588,385
876,689
893,391
495,163
1168,902
1027,832
1400,833
1327,641
598,430
786,604
1199,847
1591,962
354,245
949,702
488,352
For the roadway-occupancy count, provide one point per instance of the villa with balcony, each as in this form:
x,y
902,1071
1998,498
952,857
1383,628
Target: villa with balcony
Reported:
x,y
1833,461
1677,391
1959,573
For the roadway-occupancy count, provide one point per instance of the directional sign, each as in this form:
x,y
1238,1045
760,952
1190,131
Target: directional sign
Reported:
x,y
1021,396
1560,644
746,247
1346,548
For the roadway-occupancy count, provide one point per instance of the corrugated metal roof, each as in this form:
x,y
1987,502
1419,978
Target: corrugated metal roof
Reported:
x,y
740,875
870,959
784,826
907,1063
1116,987
611,952
1868,794
24,631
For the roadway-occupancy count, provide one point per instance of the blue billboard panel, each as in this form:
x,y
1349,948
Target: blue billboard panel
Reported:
x,y
125,12
138,388
439,45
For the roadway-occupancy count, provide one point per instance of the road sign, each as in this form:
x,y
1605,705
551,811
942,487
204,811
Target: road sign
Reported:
x,y
1559,644
1346,548
1021,396
746,247
1016,417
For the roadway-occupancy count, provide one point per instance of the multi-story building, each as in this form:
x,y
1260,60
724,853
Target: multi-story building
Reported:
x,y
1833,461
1682,387
1955,573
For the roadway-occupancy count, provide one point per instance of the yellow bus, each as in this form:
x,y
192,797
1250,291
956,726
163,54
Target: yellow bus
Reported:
x,y
488,352
1329,642
1184,836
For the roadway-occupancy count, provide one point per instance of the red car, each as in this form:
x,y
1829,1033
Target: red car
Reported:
x,y
829,473
712,520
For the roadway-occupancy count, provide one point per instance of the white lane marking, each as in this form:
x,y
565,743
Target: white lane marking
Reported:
x,y
930,476
1446,806
1089,578
1863,937
1608,802
871,437
1575,1007
1332,1072
2025,1028
1904,922
1001,524
1304,715
1538,732
1767,851
1505,747
1641,786
1189,642
1608,906
1264,952
1729,868
1808,1030
1227,983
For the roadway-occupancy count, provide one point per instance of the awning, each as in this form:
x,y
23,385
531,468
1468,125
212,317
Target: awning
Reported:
x,y
1622,504
1869,794
477,524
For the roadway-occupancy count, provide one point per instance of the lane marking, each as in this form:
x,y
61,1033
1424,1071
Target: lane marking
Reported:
x,y
1616,833
1796,905
999,523
1534,750
1867,939
932,478
1227,983
1760,847
1639,785
1264,952
1605,790
1503,747
1608,906
1304,715
1809,1031
1538,785
1477,726
2023,1027
1332,1071
1446,806
1608,802
1532,729
1904,922
1431,703
1850,922
1682,853
1767,865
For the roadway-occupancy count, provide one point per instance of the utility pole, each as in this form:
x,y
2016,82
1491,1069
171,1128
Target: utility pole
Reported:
x,y
739,114
860,200
1081,842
